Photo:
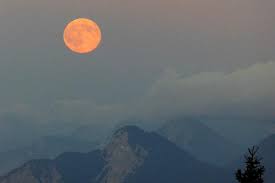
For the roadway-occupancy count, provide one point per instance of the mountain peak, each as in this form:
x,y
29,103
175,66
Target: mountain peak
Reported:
x,y
122,158
129,129
195,137
132,156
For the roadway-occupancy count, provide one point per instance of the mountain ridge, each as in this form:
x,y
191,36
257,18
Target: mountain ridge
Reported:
x,y
200,140
132,156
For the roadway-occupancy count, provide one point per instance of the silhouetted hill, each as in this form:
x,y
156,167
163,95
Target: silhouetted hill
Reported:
x,y
46,147
200,140
166,162
132,156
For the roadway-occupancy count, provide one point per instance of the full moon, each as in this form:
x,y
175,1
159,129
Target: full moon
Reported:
x,y
82,35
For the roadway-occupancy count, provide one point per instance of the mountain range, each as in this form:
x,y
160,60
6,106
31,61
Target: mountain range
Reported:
x,y
132,156
45,147
201,141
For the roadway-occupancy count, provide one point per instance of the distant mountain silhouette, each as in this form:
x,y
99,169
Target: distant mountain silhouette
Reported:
x,y
200,140
46,147
132,156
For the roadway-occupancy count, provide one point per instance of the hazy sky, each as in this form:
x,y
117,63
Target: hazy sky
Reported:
x,y
211,58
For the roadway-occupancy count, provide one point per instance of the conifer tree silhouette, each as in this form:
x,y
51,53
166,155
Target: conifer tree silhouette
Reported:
x,y
254,170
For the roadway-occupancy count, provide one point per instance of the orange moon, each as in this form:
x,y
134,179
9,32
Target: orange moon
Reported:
x,y
82,35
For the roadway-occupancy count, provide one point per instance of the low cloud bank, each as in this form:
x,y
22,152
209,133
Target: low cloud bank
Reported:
x,y
245,93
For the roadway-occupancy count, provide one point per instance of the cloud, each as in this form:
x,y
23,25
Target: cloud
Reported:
x,y
23,124
245,93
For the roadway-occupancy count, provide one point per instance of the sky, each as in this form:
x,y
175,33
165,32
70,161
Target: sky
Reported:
x,y
158,59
